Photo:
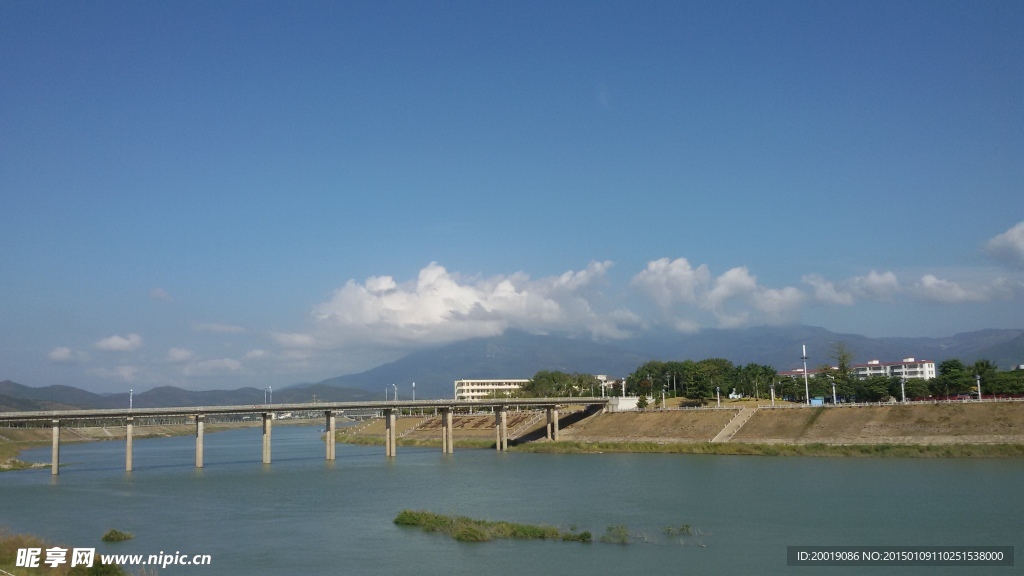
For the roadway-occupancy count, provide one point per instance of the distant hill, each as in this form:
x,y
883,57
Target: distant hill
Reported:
x,y
17,397
520,355
512,355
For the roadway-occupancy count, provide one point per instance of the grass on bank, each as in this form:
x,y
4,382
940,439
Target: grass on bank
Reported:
x,y
464,443
466,529
743,449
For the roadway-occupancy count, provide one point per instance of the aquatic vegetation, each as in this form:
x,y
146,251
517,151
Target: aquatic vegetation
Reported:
x,y
466,529
114,535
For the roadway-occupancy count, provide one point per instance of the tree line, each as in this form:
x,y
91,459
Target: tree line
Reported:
x,y
704,379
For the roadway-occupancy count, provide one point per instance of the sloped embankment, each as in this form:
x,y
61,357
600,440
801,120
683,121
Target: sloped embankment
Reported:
x,y
967,423
655,426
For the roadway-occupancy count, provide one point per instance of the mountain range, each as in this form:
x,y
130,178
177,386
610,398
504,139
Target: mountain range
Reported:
x,y
520,355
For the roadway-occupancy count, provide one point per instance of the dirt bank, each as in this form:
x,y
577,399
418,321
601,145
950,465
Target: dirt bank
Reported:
x,y
919,424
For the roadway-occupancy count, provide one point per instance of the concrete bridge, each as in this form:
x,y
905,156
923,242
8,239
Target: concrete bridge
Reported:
x,y
389,409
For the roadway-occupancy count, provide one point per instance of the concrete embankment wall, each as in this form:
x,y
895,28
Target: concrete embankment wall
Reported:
x,y
917,424
967,423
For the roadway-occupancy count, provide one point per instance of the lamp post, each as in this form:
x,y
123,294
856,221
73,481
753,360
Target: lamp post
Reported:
x,y
663,397
413,391
718,395
903,389
772,386
131,393
395,386
833,390
977,378
807,387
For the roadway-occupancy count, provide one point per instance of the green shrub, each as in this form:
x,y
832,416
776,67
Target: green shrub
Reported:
x,y
114,535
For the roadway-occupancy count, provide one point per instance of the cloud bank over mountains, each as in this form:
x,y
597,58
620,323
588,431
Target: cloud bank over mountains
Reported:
x,y
377,319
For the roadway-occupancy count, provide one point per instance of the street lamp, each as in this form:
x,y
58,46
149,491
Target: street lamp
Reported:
x,y
903,389
834,391
807,387
413,391
718,395
772,386
977,378
395,386
663,395
131,393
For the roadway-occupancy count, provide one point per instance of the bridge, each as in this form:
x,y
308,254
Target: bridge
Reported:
x,y
389,409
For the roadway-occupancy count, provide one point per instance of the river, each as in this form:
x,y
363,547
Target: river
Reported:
x,y
304,516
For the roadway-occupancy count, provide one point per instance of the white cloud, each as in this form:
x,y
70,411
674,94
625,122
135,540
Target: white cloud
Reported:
x,y
65,355
212,367
257,353
292,340
125,373
440,306
874,286
218,328
179,355
938,290
1008,247
734,298
669,282
160,294
825,291
117,343
780,305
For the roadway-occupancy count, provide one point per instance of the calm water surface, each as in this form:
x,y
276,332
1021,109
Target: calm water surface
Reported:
x,y
302,515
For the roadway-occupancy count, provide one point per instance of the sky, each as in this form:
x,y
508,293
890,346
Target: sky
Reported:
x,y
224,194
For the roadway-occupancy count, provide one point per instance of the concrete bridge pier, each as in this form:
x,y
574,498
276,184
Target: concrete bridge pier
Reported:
x,y
55,452
199,440
447,438
390,440
501,428
268,419
552,428
330,434
129,421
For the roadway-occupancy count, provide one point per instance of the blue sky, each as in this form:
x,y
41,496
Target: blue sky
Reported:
x,y
217,194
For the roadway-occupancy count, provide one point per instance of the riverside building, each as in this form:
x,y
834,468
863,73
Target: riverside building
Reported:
x,y
482,389
907,368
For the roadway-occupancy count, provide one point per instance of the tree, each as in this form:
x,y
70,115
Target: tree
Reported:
x,y
641,402
874,389
953,379
984,368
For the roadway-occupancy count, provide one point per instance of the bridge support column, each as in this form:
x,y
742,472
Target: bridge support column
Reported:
x,y
390,442
447,439
199,440
552,427
55,452
129,421
268,420
330,434
501,428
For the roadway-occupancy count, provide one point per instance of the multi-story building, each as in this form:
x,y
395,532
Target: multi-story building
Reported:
x,y
907,368
481,389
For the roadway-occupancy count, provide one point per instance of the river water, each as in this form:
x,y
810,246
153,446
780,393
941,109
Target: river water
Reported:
x,y
304,516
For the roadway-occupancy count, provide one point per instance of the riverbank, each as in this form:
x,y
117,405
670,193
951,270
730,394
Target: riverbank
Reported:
x,y
960,430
